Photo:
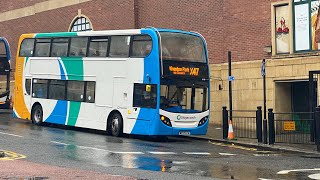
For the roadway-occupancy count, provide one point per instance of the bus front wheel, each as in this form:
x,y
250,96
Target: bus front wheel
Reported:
x,y
37,115
116,125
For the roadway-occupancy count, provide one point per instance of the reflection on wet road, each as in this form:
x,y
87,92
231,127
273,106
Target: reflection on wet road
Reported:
x,y
176,155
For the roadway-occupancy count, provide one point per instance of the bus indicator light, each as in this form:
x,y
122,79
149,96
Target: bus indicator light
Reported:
x,y
148,88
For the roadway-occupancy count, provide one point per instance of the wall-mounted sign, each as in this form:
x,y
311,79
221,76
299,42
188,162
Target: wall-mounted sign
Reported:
x,y
289,126
302,28
282,29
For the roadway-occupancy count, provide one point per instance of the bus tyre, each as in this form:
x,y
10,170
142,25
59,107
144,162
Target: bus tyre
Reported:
x,y
116,125
37,115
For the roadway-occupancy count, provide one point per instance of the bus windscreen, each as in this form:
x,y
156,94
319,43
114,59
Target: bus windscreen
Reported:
x,y
182,47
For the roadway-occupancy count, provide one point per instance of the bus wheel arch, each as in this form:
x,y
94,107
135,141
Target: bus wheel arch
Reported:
x,y
115,123
37,114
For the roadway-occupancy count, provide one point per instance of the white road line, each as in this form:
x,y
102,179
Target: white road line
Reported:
x,y
154,152
227,154
196,153
97,149
127,152
297,170
11,134
314,176
55,142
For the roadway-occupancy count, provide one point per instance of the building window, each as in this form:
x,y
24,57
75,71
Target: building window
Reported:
x,y
306,19
81,24
282,29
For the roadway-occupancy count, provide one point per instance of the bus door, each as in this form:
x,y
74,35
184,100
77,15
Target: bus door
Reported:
x,y
27,93
4,74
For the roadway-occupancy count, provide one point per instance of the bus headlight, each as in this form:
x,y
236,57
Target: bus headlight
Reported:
x,y
165,120
203,121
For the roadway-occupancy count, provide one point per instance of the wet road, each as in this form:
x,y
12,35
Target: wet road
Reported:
x,y
148,158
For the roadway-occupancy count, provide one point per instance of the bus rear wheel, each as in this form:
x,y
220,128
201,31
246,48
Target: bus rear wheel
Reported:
x,y
37,115
116,125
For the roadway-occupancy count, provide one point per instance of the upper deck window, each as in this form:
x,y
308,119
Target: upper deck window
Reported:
x,y
43,47
141,46
182,47
26,49
119,46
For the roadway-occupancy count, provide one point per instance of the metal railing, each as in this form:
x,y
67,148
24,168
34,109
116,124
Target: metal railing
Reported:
x,y
246,123
291,127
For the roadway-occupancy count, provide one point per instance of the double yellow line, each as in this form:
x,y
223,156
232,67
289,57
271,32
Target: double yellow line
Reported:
x,y
238,147
10,156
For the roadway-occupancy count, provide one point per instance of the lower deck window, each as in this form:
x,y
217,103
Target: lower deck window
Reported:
x,y
79,91
40,88
145,95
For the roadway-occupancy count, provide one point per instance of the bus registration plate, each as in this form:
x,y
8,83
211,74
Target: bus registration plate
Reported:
x,y
184,132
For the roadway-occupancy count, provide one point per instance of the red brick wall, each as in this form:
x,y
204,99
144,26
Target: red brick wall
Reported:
x,y
242,26
203,16
247,28
7,5
111,14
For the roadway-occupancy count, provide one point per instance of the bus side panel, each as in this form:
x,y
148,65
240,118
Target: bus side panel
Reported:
x,y
20,106
145,120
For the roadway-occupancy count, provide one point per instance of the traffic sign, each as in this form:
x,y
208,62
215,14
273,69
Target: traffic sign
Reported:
x,y
231,78
263,68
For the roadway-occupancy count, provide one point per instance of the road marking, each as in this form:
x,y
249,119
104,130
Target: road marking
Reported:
x,y
55,142
154,152
196,153
97,149
314,176
127,152
234,146
11,134
263,155
297,170
227,154
10,156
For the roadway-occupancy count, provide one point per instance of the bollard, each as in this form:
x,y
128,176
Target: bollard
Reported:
x,y
225,125
317,127
259,123
272,135
265,132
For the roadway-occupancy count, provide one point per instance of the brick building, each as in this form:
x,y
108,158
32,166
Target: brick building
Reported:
x,y
252,30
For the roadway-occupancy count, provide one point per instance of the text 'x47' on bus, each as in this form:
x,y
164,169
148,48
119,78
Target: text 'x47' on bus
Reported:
x,y
142,81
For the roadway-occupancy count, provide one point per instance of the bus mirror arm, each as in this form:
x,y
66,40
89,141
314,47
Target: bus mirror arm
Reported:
x,y
149,78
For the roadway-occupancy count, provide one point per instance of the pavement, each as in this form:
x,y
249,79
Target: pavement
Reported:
x,y
215,132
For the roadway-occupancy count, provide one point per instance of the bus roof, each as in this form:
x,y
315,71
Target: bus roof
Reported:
x,y
106,32
6,43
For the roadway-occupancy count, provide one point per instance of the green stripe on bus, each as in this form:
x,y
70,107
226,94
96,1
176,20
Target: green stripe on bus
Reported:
x,y
58,34
74,67
74,110
25,61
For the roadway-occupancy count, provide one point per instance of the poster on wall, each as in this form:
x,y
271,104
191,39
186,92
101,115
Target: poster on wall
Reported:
x,y
282,29
315,24
302,36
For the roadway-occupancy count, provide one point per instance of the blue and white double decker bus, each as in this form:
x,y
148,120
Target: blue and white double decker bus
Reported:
x,y
142,81
4,74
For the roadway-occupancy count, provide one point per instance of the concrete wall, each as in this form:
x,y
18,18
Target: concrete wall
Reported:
x,y
248,86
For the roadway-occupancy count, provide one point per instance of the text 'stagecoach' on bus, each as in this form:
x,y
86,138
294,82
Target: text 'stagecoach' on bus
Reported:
x,y
142,81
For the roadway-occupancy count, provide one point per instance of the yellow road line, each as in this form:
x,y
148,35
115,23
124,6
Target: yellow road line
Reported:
x,y
10,156
234,146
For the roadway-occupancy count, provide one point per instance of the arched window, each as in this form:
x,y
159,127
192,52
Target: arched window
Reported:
x,y
80,23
